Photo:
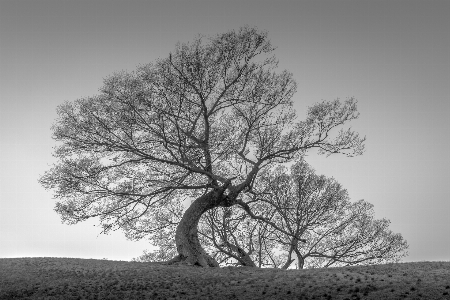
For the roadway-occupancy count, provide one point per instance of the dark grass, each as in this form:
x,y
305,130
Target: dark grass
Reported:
x,y
72,278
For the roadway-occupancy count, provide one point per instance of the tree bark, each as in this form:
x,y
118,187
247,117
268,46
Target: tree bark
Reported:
x,y
187,242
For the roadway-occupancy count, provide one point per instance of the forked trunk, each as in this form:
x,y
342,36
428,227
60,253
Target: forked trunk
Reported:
x,y
294,247
186,237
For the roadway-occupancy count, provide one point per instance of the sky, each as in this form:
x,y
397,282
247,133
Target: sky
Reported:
x,y
393,56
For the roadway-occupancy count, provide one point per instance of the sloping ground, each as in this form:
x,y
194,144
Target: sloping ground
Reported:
x,y
72,278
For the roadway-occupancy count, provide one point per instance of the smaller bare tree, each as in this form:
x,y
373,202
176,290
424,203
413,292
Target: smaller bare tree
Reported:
x,y
315,221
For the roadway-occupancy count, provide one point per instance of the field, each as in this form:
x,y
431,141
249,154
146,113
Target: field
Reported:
x,y
72,278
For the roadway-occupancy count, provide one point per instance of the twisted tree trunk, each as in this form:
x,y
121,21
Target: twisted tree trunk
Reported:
x,y
187,242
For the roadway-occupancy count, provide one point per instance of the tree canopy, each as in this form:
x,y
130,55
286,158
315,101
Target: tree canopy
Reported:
x,y
201,124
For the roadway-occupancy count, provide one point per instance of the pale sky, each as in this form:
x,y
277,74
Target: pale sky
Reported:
x,y
393,56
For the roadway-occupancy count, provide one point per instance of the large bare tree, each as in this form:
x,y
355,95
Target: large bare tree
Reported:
x,y
199,124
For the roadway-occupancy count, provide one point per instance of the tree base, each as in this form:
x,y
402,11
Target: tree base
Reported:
x,y
185,261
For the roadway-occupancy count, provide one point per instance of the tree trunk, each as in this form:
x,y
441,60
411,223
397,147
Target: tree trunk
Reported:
x,y
186,237
300,259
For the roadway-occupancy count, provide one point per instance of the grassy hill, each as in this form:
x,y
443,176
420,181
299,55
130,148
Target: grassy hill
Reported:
x,y
73,278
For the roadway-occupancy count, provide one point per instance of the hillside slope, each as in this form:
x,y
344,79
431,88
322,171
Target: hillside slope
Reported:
x,y
72,278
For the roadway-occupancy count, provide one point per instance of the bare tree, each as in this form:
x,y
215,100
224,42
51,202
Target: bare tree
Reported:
x,y
200,125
